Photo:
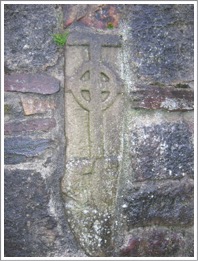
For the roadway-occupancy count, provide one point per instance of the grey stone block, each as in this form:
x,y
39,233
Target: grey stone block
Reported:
x,y
167,204
29,229
19,149
29,43
157,242
161,151
160,42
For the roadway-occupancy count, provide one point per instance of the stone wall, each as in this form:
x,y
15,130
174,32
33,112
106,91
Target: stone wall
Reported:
x,y
35,224
105,169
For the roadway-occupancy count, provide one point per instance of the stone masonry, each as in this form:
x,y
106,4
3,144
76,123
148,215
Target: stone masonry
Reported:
x,y
99,132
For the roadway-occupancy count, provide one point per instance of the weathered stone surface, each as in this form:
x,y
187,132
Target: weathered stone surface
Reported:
x,y
93,97
12,107
29,229
34,83
157,242
101,16
95,41
159,43
168,203
36,105
29,43
161,151
155,97
27,126
106,17
34,217
73,13
21,149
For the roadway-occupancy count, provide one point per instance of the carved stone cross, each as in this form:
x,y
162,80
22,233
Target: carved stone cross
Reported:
x,y
93,124
95,86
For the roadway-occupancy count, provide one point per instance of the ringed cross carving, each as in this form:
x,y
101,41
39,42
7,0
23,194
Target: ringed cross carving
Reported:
x,y
95,86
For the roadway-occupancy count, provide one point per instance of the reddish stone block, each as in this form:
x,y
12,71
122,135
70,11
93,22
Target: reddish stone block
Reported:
x,y
154,242
27,126
33,83
36,105
70,14
97,16
73,13
104,18
168,98
165,204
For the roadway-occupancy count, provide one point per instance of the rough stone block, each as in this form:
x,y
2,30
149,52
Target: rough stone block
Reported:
x,y
29,43
28,126
35,105
168,203
161,151
160,50
29,228
157,242
19,149
167,98
12,106
33,83
73,13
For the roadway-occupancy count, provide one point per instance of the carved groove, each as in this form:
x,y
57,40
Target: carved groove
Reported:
x,y
86,76
104,77
86,95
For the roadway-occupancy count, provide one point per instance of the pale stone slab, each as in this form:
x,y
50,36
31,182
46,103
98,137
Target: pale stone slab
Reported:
x,y
94,102
76,129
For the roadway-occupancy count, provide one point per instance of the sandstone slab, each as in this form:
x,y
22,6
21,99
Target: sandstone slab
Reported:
x,y
35,105
33,83
28,126
94,114
101,16
167,98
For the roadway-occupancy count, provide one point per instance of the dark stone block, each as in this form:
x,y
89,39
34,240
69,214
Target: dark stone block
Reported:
x,y
161,152
28,126
29,229
33,83
157,97
156,242
12,107
10,158
19,149
170,203
29,43
160,42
